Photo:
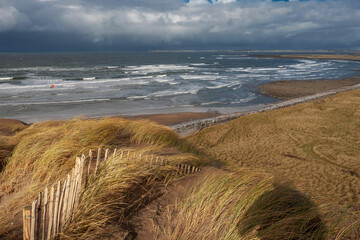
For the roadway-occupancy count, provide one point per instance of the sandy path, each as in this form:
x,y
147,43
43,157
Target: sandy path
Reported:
x,y
142,226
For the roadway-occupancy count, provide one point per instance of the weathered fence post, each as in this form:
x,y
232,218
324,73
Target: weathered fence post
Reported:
x,y
27,223
89,166
106,154
71,190
75,187
66,201
79,180
114,154
38,217
43,232
97,161
51,208
81,170
61,205
56,208
33,220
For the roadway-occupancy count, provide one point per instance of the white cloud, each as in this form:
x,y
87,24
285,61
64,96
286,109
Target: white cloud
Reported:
x,y
227,22
225,1
197,2
9,17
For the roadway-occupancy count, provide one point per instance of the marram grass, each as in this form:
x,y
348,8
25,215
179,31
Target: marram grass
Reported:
x,y
46,149
310,149
45,152
115,194
243,205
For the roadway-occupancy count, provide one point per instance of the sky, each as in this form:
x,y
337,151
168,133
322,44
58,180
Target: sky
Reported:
x,y
137,25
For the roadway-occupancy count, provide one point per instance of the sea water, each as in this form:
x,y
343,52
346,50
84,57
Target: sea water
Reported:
x,y
42,86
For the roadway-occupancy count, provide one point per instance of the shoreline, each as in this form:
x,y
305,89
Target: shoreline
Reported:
x,y
189,120
289,89
345,57
186,123
187,128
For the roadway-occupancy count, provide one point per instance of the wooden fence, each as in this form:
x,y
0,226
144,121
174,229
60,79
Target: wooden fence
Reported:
x,y
51,211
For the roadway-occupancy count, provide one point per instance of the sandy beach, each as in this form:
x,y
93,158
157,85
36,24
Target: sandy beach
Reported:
x,y
300,88
346,57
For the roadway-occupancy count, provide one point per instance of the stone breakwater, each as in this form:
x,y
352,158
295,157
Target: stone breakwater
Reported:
x,y
190,127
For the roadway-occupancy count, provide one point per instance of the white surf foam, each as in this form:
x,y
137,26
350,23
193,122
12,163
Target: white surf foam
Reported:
x,y
210,103
89,78
174,93
6,78
204,77
189,77
243,100
137,97
150,69
111,67
174,83
219,86
2,79
198,64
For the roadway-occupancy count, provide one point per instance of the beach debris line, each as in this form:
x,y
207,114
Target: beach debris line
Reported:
x,y
49,214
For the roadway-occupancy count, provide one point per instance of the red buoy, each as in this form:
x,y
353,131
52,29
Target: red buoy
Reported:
x,y
52,86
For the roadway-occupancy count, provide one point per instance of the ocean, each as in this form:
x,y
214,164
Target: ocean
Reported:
x,y
43,86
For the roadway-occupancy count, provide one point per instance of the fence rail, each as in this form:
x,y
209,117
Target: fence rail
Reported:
x,y
51,211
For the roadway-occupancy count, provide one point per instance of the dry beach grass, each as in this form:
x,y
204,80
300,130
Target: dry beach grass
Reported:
x,y
45,153
291,173
312,147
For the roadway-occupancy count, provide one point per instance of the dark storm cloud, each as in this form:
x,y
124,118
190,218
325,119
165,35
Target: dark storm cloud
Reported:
x,y
156,24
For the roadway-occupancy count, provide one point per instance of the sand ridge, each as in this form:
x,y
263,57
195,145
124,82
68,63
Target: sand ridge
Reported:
x,y
301,88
